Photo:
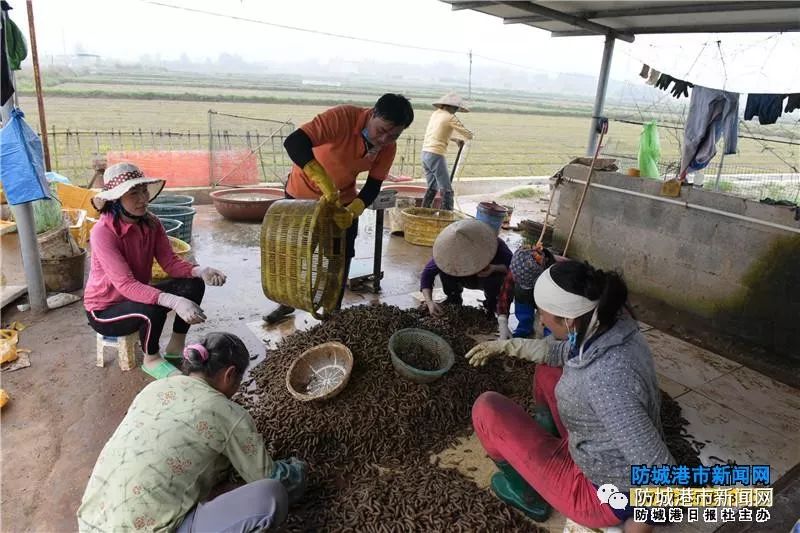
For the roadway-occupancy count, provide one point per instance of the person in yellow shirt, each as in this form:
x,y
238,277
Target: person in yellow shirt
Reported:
x,y
443,127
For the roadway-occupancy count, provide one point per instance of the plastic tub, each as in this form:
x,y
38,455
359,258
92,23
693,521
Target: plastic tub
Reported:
x,y
491,213
409,338
172,226
173,199
182,213
180,248
248,204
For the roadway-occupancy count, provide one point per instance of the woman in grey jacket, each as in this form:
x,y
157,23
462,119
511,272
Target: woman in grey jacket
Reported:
x,y
597,402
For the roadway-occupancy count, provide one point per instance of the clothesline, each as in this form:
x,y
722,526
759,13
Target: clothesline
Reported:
x,y
768,107
665,126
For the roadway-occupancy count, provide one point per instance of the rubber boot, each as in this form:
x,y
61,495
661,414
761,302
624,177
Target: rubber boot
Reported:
x,y
512,489
430,195
543,417
447,200
278,314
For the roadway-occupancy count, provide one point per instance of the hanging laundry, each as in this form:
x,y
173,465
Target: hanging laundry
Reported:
x,y
768,107
645,71
681,88
16,47
6,87
663,82
653,77
712,113
649,151
792,103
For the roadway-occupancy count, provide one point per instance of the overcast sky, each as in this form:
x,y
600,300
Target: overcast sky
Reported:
x,y
128,29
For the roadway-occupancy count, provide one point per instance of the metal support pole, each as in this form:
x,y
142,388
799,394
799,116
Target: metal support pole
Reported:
x,y
29,246
376,261
600,95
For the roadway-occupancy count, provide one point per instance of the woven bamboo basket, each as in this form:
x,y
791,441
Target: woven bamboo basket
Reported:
x,y
422,225
321,372
302,256
180,247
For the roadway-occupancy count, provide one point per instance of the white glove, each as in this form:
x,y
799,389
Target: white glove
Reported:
x,y
211,276
190,312
502,325
534,350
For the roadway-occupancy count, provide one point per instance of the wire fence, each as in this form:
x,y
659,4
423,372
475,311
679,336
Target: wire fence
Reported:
x,y
243,149
240,150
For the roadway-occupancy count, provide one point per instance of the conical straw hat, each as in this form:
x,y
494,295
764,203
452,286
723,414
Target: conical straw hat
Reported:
x,y
452,99
464,248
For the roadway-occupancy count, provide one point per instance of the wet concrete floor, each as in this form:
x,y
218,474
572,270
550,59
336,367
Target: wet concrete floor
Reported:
x,y
64,408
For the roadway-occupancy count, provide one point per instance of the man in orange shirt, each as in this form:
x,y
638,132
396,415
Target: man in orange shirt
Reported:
x,y
330,151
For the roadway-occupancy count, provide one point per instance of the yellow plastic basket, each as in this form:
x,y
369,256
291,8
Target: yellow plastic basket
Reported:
x,y
422,225
78,225
179,247
77,198
302,256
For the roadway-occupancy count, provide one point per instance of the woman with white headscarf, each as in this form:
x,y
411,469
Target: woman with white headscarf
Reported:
x,y
598,403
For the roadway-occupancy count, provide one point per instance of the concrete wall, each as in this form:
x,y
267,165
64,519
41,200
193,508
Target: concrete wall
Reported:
x,y
741,277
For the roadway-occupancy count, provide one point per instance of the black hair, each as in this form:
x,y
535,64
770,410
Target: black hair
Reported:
x,y
115,208
224,350
395,108
111,206
606,286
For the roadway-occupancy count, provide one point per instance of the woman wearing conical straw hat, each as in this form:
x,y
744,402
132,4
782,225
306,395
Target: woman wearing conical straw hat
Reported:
x,y
443,127
466,255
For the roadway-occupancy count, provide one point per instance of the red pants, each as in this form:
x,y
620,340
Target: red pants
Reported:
x,y
508,433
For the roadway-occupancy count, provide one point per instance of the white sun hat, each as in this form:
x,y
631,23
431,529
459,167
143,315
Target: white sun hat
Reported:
x,y
122,177
464,248
454,100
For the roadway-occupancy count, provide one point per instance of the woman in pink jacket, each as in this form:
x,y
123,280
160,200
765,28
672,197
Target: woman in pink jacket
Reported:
x,y
119,299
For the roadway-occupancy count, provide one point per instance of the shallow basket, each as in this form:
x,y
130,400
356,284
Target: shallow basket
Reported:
x,y
422,225
404,339
179,247
302,256
320,373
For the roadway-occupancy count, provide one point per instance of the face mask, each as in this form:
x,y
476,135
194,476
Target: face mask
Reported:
x,y
573,338
365,134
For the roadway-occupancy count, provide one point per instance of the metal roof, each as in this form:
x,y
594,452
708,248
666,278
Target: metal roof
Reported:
x,y
625,19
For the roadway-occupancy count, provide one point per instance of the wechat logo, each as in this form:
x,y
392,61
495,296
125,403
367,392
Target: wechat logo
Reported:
x,y
611,495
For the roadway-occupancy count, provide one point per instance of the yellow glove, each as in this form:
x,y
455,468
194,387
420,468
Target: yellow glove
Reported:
x,y
318,175
344,217
534,350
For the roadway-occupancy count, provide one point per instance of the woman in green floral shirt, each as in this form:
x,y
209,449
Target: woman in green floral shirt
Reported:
x,y
182,436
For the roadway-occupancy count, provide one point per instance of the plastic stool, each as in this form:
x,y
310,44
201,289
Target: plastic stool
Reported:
x,y
125,347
